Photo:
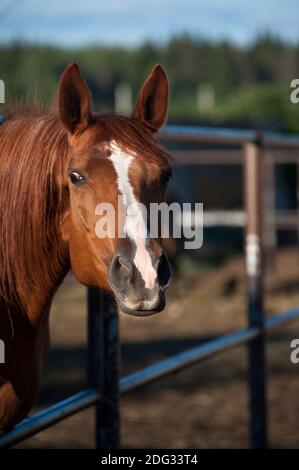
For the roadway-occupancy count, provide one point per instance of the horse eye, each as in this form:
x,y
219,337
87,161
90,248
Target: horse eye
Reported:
x,y
76,177
165,177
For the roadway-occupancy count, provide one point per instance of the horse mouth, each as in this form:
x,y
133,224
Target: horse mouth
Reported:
x,y
143,308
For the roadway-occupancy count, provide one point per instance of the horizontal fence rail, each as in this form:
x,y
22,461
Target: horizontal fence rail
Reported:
x,y
201,353
65,408
49,416
218,135
104,386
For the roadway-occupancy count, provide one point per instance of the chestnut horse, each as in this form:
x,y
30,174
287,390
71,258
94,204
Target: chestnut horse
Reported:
x,y
54,171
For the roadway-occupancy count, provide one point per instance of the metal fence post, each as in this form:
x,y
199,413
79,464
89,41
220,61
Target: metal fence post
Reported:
x,y
269,218
254,271
102,370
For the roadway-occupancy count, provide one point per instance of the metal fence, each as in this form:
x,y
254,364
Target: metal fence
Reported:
x,y
104,386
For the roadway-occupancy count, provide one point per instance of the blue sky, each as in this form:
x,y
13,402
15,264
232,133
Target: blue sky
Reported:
x,y
130,22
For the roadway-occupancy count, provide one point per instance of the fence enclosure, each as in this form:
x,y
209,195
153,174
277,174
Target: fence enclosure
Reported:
x,y
256,152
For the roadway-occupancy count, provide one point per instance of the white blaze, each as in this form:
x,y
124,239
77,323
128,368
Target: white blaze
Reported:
x,y
135,224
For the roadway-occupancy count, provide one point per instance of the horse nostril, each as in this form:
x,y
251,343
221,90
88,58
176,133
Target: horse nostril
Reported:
x,y
121,266
164,272
125,265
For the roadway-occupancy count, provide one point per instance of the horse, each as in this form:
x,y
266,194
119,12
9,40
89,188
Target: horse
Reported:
x,y
55,169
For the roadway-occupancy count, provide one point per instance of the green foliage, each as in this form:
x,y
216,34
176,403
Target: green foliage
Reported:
x,y
250,83
260,103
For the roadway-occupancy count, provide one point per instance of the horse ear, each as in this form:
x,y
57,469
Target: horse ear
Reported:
x,y
74,100
152,102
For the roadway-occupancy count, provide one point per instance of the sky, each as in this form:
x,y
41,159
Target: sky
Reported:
x,y
74,23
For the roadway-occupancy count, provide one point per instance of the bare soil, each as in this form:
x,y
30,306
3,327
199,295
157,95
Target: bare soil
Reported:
x,y
205,406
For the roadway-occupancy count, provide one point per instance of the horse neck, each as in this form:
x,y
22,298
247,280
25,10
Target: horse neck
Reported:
x,y
39,300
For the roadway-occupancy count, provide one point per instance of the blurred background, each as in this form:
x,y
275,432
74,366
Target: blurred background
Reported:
x,y
229,64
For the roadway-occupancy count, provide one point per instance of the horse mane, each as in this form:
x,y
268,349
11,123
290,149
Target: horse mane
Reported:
x,y
34,154
33,157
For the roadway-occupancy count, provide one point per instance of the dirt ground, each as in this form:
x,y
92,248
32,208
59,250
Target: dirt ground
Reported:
x,y
205,406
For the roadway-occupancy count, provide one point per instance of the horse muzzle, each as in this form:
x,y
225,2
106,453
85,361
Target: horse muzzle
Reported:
x,y
129,288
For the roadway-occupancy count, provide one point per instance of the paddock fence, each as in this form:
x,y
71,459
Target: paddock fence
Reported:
x,y
258,153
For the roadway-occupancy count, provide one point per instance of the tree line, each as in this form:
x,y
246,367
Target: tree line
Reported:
x,y
215,81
